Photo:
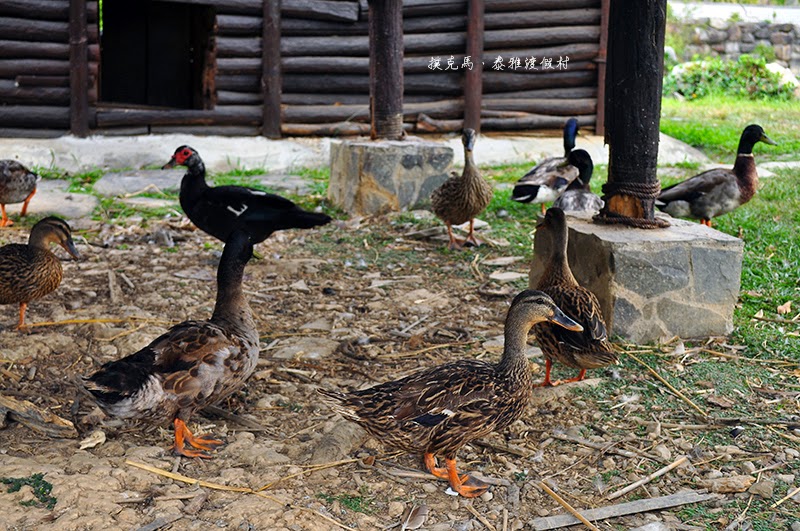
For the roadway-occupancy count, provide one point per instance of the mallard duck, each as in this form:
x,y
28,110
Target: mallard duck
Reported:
x,y
17,185
718,191
548,180
462,197
579,197
586,349
29,272
439,410
194,364
220,210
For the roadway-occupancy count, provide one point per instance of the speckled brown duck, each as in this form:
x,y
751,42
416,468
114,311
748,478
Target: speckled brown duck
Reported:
x,y
462,197
29,272
589,348
17,185
194,364
718,191
439,410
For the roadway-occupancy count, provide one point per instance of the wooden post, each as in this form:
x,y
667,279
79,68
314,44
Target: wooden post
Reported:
x,y
633,107
79,69
602,54
473,85
271,69
386,68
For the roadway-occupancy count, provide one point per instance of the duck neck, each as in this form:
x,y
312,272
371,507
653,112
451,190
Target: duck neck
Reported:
x,y
194,180
569,142
231,308
557,270
513,364
746,175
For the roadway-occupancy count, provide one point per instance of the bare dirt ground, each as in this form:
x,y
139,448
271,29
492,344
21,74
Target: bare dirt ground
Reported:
x,y
344,306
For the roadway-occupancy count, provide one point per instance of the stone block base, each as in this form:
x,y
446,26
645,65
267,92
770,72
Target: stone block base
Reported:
x,y
654,284
376,177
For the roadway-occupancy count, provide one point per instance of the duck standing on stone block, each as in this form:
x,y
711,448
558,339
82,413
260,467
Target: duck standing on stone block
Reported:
x,y
29,272
579,196
462,197
220,210
551,177
17,185
589,348
193,365
718,191
438,410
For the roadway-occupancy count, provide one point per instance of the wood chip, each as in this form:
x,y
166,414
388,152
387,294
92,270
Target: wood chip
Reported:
x,y
35,418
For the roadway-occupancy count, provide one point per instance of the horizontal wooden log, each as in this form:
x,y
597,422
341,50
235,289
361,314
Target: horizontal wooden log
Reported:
x,y
426,124
344,99
239,25
34,50
34,116
303,27
350,113
236,47
534,19
39,67
238,83
24,29
444,83
35,9
205,130
230,97
346,11
541,105
235,7
435,8
122,131
34,132
11,93
336,129
507,81
538,5
221,115
557,93
239,65
42,81
359,45
550,36
586,51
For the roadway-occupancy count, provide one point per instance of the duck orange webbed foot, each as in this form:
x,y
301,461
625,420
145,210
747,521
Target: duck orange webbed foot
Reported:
x,y
202,444
466,486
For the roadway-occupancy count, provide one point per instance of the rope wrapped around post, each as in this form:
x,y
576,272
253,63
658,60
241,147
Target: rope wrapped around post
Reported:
x,y
645,192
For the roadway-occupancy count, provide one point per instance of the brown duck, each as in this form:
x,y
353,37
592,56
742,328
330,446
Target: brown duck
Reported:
x,y
439,410
462,197
718,191
29,272
17,185
194,364
589,348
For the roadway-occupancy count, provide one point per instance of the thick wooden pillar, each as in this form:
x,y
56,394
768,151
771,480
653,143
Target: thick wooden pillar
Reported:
x,y
633,108
473,80
602,55
386,68
78,69
271,69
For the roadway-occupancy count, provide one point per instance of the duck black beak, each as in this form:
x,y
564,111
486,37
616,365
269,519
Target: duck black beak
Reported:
x,y
767,140
561,319
69,246
169,165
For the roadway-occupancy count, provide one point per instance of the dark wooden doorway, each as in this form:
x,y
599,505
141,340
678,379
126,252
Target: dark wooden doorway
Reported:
x,y
157,54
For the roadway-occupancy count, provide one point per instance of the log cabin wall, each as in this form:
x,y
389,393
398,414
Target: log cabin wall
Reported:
x,y
324,58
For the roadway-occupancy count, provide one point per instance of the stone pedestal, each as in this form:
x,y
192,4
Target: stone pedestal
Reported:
x,y
653,284
376,177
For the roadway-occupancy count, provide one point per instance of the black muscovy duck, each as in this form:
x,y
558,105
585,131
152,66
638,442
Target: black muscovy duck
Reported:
x,y
220,210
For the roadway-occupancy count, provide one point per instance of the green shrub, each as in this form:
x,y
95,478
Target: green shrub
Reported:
x,y
748,77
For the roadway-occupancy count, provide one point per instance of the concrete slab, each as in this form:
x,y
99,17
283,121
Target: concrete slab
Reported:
x,y
284,182
227,153
52,198
150,202
136,182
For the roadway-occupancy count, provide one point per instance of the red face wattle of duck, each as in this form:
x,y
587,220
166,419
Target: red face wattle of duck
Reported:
x,y
179,157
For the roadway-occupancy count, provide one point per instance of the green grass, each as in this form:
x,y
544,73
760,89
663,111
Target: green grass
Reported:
x,y
41,489
714,124
356,503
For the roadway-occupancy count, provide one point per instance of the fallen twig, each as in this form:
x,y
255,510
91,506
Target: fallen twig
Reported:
x,y
567,506
132,319
158,523
38,419
622,509
669,386
415,353
596,446
658,473
481,518
788,496
745,358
